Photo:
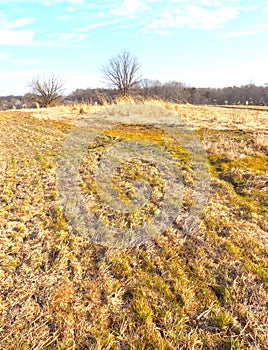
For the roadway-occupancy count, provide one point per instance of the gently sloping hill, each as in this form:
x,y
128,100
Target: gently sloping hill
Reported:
x,y
203,290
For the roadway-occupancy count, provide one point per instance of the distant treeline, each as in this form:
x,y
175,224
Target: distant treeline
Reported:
x,y
172,91
179,93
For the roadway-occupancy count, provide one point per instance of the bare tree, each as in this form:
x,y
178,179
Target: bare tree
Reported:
x,y
47,91
121,72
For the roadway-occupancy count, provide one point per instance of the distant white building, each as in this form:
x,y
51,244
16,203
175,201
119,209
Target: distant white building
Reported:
x,y
18,104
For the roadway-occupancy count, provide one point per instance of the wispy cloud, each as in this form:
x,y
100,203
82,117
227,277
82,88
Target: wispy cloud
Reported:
x,y
11,32
253,30
69,9
240,34
263,26
129,7
191,16
63,17
18,23
17,80
156,16
43,2
4,55
64,37
16,37
77,2
213,18
211,3
97,25
27,62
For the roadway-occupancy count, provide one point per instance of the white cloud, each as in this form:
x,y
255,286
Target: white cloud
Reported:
x,y
18,23
2,17
263,26
16,80
211,3
69,9
82,80
163,32
64,37
240,34
26,62
191,16
63,17
252,30
72,2
42,2
16,37
8,33
129,7
5,55
209,19
77,2
96,25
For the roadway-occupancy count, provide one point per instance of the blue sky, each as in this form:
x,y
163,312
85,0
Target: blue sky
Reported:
x,y
201,42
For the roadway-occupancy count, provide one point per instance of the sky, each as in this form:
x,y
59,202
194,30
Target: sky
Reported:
x,y
202,43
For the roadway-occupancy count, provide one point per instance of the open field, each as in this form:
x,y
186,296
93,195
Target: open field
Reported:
x,y
206,289
245,107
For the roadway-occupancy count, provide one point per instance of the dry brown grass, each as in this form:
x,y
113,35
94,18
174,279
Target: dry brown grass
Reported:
x,y
203,290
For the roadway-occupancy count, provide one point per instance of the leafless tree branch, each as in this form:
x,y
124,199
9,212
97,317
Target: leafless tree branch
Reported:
x,y
121,72
48,91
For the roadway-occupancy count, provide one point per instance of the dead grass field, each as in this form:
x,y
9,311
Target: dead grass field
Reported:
x,y
203,290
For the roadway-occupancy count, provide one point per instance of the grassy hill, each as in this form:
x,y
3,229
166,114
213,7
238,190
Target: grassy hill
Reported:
x,y
205,289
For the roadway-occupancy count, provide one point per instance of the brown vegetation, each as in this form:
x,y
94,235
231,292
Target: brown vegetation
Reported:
x,y
203,290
